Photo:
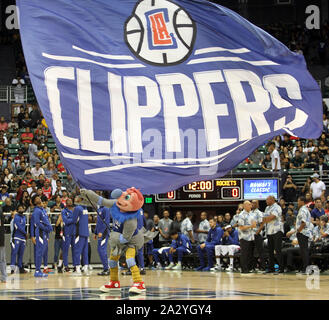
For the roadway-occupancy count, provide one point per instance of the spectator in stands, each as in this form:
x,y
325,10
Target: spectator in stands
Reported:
x,y
33,153
59,189
187,226
156,227
275,157
35,116
310,147
47,190
289,190
27,136
321,166
164,228
3,124
311,161
27,122
286,142
318,210
20,117
14,139
4,194
307,186
50,170
44,154
326,157
256,157
326,208
58,206
70,184
204,228
309,201
283,206
323,148
32,190
267,163
37,170
297,161
19,90
176,225
8,177
285,162
318,188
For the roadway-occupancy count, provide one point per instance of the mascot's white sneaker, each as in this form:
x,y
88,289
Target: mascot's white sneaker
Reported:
x,y
137,288
112,286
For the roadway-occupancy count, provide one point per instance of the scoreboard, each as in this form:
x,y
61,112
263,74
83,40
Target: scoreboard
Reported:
x,y
210,190
222,190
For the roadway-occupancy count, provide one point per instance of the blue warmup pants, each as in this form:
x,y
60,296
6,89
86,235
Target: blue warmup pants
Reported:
x,y
149,247
140,258
102,251
157,255
210,250
38,253
180,252
67,242
45,251
57,247
80,250
17,253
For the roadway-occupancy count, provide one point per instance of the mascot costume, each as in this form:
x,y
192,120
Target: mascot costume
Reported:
x,y
128,233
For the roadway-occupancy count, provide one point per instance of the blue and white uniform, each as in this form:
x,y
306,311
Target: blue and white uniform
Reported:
x,y
41,225
104,212
214,238
18,240
46,242
182,245
68,234
230,245
80,218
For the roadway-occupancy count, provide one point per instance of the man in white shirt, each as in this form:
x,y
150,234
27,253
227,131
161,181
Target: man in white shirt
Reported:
x,y
318,188
187,226
203,229
275,156
37,170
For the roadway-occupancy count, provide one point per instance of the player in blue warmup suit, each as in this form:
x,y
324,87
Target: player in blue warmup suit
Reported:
x,y
69,233
80,218
46,240
40,225
214,238
102,233
181,245
18,241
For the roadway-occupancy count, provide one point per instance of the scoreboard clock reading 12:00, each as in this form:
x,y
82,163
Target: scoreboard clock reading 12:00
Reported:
x,y
209,190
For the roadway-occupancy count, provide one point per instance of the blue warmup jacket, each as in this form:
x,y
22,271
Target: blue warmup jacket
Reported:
x,y
214,236
19,231
80,218
69,225
104,212
233,238
41,223
181,241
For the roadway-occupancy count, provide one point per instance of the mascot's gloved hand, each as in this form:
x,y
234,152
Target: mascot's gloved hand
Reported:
x,y
122,239
88,195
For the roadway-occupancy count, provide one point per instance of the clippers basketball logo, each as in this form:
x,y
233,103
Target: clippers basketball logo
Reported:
x,y
160,32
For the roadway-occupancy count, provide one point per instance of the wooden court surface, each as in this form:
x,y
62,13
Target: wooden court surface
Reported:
x,y
170,285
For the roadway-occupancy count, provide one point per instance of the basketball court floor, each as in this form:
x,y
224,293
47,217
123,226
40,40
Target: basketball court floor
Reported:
x,y
170,285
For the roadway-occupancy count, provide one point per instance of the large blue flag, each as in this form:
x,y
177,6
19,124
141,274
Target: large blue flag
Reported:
x,y
156,93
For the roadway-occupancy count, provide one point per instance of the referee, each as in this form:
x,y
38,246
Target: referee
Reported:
x,y
304,233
